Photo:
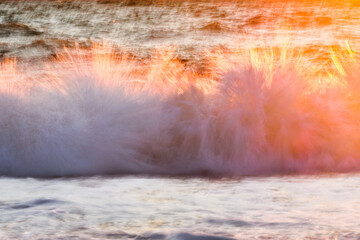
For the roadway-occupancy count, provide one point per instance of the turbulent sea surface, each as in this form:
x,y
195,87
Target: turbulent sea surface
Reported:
x,y
37,28
189,120
325,207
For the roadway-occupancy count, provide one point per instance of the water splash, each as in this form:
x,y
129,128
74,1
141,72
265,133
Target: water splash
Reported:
x,y
261,112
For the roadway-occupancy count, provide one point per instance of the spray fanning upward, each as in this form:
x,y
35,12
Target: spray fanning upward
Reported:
x,y
101,113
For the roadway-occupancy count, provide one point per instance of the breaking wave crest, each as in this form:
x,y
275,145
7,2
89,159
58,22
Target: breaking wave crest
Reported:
x,y
101,113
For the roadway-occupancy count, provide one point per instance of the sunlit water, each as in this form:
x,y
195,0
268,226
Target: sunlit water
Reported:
x,y
304,207
211,106
37,28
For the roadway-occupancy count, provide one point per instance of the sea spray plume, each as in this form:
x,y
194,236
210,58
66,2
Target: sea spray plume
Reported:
x,y
101,113
250,123
254,103
165,76
346,74
272,121
7,69
79,120
177,143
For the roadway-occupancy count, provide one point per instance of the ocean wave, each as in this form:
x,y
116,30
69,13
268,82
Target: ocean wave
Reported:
x,y
104,114
15,28
213,26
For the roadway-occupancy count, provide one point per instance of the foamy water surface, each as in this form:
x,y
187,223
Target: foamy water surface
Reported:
x,y
307,207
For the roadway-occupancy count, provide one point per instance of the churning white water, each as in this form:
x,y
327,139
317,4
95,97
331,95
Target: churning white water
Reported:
x,y
313,207
101,114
